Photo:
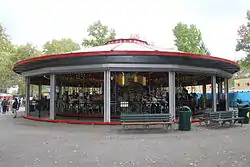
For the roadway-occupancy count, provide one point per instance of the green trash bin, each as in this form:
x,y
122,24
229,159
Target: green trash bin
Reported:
x,y
244,112
184,118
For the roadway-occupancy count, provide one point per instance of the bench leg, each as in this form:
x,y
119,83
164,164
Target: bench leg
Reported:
x,y
200,122
165,127
235,122
207,122
170,127
146,126
230,123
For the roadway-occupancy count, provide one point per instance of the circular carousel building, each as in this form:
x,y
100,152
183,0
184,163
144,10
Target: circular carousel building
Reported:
x,y
124,75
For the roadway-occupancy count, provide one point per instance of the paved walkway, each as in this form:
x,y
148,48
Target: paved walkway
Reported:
x,y
25,143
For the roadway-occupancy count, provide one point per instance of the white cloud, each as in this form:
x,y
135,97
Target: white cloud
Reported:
x,y
41,20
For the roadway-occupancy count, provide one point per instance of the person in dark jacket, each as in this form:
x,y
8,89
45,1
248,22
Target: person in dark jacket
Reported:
x,y
4,105
15,107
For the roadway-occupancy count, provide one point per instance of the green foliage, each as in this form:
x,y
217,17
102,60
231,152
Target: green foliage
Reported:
x,y
24,52
5,43
5,69
21,52
60,46
205,49
188,38
6,50
9,54
243,43
99,34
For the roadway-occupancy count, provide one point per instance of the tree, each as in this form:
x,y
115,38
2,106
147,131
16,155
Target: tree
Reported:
x,y
5,42
25,52
243,43
5,69
188,38
21,52
204,48
9,54
98,34
6,50
60,46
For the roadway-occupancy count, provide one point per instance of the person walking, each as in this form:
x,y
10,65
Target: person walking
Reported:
x,y
15,107
4,105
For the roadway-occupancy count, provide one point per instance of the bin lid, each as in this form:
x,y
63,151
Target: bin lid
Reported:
x,y
244,105
185,109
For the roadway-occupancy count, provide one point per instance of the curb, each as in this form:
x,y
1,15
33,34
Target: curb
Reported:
x,y
84,122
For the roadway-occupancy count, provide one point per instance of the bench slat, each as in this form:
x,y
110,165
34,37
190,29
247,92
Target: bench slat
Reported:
x,y
143,118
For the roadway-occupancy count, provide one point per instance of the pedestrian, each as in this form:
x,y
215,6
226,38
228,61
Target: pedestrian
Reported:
x,y
19,104
15,107
4,105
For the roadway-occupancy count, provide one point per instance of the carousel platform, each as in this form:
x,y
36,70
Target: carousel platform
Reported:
x,y
81,120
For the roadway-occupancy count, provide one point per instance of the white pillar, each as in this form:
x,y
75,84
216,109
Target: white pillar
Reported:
x,y
52,96
214,97
204,95
27,96
226,93
171,88
107,96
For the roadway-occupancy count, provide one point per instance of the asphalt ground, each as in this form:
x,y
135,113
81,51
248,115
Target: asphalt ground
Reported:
x,y
26,143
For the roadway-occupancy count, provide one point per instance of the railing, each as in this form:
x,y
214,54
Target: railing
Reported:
x,y
115,107
80,107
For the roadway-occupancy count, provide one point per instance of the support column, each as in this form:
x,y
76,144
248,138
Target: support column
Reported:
x,y
52,96
214,97
220,94
226,93
204,95
171,93
27,96
39,92
60,91
107,96
31,91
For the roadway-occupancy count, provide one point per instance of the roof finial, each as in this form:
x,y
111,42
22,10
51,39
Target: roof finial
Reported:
x,y
127,40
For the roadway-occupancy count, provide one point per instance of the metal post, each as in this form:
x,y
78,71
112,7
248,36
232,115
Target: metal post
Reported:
x,y
214,97
39,99
226,93
31,91
39,92
60,91
52,96
171,88
220,90
27,96
107,96
204,95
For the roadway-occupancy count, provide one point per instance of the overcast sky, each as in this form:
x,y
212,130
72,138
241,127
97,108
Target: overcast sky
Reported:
x,y
37,21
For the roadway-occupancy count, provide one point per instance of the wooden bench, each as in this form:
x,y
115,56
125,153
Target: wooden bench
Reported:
x,y
207,116
224,116
221,117
146,120
237,118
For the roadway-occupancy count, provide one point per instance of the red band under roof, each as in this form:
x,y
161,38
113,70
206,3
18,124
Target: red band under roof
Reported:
x,y
79,54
